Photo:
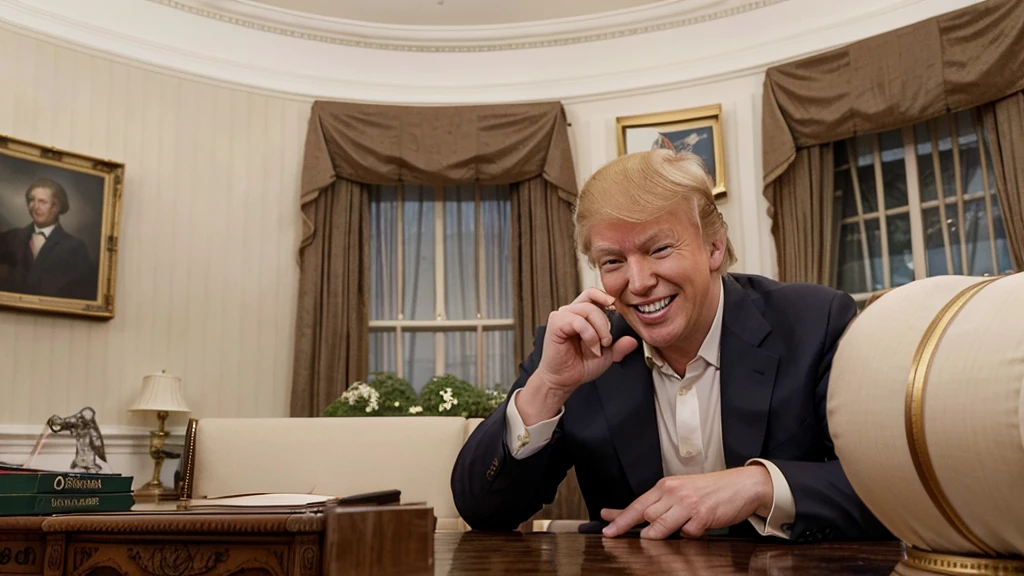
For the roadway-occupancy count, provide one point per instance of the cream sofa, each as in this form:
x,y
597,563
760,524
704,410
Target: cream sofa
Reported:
x,y
328,456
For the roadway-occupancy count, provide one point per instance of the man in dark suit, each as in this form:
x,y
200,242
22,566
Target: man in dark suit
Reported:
x,y
697,406
42,258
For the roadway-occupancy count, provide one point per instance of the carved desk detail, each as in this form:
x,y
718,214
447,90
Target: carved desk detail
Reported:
x,y
187,543
177,559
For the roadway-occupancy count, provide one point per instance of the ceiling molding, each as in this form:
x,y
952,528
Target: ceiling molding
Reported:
x,y
657,17
153,36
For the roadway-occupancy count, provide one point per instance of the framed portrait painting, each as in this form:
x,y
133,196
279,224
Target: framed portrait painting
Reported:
x,y
697,130
59,222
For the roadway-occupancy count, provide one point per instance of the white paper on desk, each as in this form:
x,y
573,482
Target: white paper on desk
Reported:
x,y
262,500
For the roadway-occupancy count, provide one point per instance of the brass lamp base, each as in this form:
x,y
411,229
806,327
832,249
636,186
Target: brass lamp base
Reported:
x,y
154,490
151,492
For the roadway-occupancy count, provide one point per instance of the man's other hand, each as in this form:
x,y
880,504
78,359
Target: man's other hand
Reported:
x,y
692,505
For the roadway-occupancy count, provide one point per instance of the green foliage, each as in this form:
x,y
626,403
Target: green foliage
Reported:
x,y
389,395
396,394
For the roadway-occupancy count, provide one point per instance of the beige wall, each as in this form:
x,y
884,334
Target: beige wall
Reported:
x,y
206,272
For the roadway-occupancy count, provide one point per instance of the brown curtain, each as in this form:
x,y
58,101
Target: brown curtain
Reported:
x,y
952,62
350,146
804,225
544,273
1004,121
332,331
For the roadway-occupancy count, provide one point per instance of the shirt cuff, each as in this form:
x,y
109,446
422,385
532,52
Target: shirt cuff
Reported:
x,y
780,518
522,440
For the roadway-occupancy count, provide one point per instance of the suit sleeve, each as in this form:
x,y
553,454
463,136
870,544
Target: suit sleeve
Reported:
x,y
827,508
492,489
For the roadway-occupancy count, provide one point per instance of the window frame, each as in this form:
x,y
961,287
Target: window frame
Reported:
x,y
441,325
914,206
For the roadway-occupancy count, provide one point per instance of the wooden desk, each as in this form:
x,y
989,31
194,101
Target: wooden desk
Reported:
x,y
335,542
387,541
540,554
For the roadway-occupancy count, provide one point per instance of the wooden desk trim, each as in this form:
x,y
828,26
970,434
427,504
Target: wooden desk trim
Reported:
x,y
188,462
334,541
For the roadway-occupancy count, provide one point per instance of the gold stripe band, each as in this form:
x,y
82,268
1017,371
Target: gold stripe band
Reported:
x,y
956,565
914,412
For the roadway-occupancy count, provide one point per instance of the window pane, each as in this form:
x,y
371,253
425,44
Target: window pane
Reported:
x,y
382,352
851,276
418,349
1002,248
460,283
864,149
945,157
894,169
901,255
979,245
970,158
496,216
875,252
418,265
460,355
844,185
384,253
499,367
925,162
934,244
953,226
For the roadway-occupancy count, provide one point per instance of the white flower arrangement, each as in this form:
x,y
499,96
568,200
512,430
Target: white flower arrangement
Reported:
x,y
415,409
448,400
362,391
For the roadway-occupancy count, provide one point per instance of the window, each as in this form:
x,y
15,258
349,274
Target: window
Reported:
x,y
440,283
917,202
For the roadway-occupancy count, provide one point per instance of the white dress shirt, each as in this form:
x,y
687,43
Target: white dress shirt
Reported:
x,y
39,238
688,410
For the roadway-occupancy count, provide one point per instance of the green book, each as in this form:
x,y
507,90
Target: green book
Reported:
x,y
42,504
61,482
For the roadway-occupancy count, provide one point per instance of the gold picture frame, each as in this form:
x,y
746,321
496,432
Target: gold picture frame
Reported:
x,y
60,216
698,130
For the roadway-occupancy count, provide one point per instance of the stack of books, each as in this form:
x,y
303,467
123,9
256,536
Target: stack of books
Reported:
x,y
30,492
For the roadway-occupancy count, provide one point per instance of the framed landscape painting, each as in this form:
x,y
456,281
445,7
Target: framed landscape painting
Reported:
x,y
59,222
697,130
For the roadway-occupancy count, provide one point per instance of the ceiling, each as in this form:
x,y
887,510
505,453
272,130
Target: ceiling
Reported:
x,y
454,12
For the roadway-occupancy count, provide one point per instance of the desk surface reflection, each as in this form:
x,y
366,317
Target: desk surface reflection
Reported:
x,y
537,554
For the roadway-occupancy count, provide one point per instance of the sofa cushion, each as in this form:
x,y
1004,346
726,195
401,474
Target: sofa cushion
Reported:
x,y
331,456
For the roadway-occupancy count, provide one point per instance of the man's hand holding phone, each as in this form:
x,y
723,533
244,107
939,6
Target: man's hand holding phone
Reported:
x,y
578,348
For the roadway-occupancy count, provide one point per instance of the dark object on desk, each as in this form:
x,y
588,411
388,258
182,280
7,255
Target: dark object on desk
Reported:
x,y
379,498
16,480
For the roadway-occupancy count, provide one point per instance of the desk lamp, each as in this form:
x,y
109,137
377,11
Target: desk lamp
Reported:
x,y
161,393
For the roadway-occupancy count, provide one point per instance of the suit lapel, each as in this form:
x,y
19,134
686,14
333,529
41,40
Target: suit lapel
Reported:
x,y
747,377
627,395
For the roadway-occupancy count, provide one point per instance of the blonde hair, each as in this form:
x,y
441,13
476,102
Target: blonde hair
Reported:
x,y
642,186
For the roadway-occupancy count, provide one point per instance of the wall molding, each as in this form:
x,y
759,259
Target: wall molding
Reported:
x,y
19,439
665,15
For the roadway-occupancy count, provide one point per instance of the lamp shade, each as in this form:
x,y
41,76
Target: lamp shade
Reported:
x,y
161,393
